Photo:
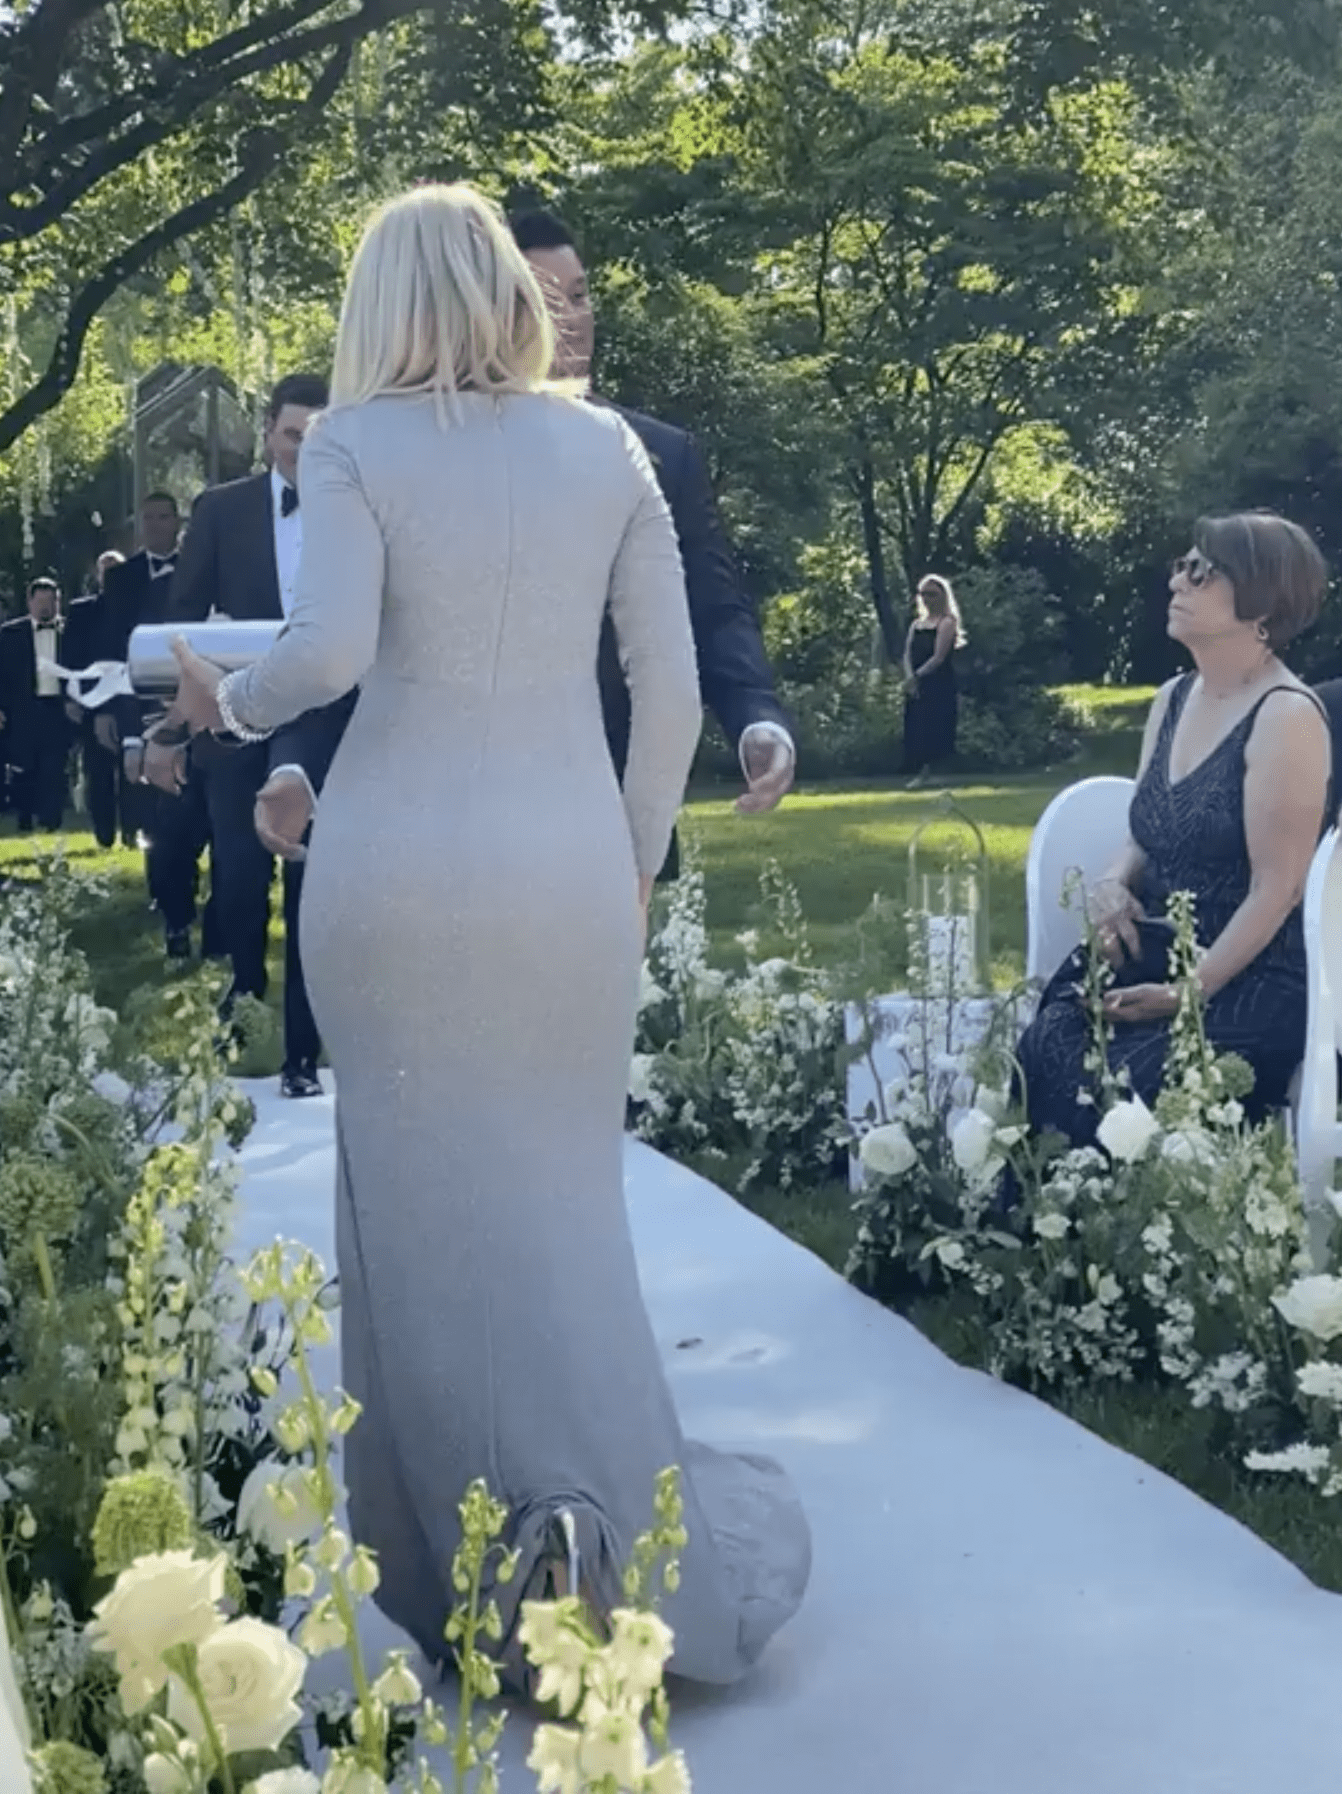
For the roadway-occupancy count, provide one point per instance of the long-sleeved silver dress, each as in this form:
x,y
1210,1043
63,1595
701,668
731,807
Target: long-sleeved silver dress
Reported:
x,y
472,944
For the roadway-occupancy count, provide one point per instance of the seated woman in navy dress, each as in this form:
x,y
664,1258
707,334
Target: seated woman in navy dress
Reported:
x,y
1230,801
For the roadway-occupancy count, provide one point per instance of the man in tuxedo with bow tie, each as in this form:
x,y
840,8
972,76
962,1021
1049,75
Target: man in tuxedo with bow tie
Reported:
x,y
240,559
32,706
734,672
174,830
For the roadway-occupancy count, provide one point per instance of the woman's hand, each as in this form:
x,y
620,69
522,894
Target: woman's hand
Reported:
x,y
1114,914
196,704
1142,1003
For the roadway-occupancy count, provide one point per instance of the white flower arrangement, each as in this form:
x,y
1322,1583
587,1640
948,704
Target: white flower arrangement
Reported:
x,y
738,1068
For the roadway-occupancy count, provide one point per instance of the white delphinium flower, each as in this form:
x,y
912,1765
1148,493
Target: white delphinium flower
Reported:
x,y
972,1140
553,1759
640,1648
612,1744
992,1102
169,1599
1314,1305
398,1684
887,1151
1127,1130
249,1674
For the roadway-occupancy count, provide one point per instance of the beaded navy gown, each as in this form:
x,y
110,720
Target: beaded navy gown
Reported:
x,y
1191,831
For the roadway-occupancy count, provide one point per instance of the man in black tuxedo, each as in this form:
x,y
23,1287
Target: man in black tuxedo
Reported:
x,y
82,645
734,672
32,706
174,828
240,560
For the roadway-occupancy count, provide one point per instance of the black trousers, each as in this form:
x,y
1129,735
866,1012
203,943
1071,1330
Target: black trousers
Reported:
x,y
101,781
302,1042
177,832
40,743
241,869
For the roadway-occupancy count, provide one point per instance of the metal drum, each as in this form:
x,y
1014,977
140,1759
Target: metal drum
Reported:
x,y
153,665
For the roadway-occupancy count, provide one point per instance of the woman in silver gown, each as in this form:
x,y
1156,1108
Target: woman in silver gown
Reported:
x,y
473,925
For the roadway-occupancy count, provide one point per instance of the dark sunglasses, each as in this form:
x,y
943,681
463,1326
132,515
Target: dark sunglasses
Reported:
x,y
1196,568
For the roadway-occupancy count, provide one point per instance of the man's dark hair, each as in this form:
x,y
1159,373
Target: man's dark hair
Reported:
x,y
44,583
307,390
158,498
540,230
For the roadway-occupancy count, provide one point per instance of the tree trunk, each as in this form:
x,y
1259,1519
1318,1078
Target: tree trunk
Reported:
x,y
892,634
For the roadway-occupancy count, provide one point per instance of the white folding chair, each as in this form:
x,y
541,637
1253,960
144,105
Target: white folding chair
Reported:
x,y
1082,831
1318,1137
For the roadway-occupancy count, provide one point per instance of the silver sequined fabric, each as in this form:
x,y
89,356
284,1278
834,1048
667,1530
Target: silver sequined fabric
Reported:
x,y
472,947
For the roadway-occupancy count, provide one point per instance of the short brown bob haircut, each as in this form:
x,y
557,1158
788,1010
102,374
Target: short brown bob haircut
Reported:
x,y
1278,575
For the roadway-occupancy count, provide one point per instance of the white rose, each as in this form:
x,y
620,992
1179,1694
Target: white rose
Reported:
x,y
640,1076
887,1151
972,1139
249,1674
649,991
276,1508
160,1601
285,1781
1314,1305
1127,1130
1052,1225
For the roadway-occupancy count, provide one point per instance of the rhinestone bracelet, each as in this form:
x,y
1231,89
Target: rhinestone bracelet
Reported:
x,y
231,724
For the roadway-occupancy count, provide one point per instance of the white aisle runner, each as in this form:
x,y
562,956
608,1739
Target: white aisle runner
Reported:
x,y
1001,1603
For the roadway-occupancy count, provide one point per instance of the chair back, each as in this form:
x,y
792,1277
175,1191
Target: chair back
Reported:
x,y
1081,832
1316,1127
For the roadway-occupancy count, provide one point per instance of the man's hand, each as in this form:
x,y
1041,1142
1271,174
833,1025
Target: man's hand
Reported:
x,y
164,767
769,761
284,807
106,733
74,712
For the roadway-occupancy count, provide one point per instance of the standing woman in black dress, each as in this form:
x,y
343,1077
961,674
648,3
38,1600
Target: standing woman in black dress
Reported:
x,y
929,678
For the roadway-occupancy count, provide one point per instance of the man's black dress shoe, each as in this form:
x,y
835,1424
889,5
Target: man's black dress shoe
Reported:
x,y
300,1080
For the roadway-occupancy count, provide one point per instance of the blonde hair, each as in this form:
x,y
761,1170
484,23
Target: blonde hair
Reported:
x,y
934,584
440,300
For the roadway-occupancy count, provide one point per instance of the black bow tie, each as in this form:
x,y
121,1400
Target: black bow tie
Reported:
x,y
288,501
160,564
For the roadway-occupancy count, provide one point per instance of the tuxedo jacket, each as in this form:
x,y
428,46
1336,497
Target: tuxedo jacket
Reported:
x,y
734,673
227,561
18,686
130,596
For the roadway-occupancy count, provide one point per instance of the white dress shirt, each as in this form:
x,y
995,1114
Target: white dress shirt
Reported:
x,y
46,646
288,541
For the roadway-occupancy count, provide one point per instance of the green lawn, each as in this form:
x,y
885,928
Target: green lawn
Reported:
x,y
839,845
